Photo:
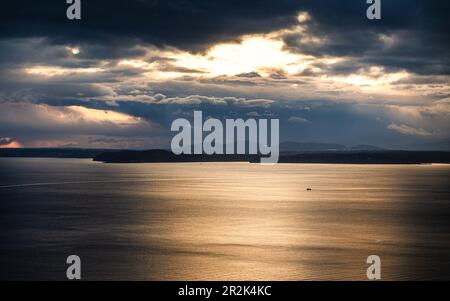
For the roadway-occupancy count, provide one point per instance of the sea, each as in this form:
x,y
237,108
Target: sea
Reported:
x,y
222,221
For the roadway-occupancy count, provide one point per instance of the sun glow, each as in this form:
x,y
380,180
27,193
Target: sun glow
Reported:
x,y
253,54
74,50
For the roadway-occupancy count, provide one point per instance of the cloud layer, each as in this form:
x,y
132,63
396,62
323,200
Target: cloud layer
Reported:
x,y
322,68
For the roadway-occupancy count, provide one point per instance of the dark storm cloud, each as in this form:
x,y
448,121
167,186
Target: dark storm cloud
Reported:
x,y
110,28
417,51
412,35
185,24
18,52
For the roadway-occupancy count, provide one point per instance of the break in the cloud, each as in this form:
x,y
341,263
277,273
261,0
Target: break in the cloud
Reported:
x,y
326,71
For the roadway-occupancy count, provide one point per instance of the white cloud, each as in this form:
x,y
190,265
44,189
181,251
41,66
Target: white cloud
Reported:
x,y
41,125
407,130
298,120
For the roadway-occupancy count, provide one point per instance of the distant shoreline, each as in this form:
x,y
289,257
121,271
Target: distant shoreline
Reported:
x,y
331,157
164,156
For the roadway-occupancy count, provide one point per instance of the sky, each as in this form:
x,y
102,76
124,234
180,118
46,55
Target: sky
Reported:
x,y
118,77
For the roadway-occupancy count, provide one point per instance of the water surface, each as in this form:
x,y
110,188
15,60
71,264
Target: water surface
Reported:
x,y
227,221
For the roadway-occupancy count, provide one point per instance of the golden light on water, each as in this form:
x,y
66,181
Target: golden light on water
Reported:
x,y
272,227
